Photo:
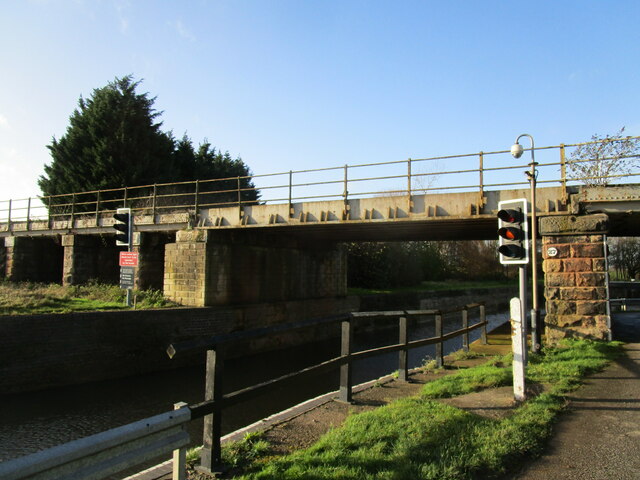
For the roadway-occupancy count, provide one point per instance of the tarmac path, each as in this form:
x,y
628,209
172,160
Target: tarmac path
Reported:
x,y
599,437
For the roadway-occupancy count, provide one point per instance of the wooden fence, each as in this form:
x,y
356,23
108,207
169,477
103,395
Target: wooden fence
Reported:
x,y
216,400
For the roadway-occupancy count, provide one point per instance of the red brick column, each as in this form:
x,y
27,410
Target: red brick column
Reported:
x,y
573,252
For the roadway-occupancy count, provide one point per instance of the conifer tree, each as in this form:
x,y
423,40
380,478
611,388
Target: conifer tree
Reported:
x,y
113,140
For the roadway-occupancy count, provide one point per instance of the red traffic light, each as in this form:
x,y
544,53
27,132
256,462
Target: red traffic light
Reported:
x,y
510,215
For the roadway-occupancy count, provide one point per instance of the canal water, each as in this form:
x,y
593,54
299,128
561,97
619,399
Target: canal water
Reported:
x,y
34,421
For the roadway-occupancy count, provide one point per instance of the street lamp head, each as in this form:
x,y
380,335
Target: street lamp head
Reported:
x,y
517,150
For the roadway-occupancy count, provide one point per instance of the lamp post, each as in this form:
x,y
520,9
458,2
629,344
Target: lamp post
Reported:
x,y
517,150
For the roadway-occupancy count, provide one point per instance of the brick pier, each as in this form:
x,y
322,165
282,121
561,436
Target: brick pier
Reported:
x,y
574,262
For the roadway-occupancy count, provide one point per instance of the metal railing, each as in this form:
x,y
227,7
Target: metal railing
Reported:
x,y
469,172
107,453
216,347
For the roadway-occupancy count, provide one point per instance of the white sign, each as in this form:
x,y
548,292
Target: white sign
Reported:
x,y
552,251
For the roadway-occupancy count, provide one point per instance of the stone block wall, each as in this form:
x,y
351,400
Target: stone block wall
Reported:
x,y
88,257
575,284
205,268
184,272
45,351
150,271
35,259
3,259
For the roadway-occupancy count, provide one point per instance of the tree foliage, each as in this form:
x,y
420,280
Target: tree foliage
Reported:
x,y
397,264
624,257
114,139
595,163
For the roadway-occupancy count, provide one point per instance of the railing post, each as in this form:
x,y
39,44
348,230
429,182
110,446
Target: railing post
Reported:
x,y
403,358
563,174
465,324
97,206
154,201
439,346
210,456
124,200
409,187
196,202
49,213
291,194
345,368
239,201
9,217
28,211
179,455
483,319
73,209
481,199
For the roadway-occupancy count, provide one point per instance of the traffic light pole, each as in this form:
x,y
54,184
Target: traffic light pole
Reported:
x,y
536,328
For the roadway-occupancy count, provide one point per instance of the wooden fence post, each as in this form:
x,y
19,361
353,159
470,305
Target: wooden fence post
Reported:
x,y
210,456
403,358
483,319
465,324
439,346
345,369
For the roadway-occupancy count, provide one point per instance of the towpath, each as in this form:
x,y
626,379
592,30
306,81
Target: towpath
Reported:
x,y
598,438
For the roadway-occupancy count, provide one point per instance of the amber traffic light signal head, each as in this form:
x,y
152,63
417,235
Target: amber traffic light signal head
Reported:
x,y
513,245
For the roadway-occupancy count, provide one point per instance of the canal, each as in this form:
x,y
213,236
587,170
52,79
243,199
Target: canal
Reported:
x,y
34,421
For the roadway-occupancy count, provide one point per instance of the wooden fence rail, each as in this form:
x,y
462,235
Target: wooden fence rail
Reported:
x,y
216,400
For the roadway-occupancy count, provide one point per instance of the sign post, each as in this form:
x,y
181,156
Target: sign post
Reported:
x,y
128,264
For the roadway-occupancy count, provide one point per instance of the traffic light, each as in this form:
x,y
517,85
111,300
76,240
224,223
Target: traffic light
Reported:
x,y
513,232
124,226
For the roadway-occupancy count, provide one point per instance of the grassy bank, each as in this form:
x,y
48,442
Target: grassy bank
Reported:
x,y
28,298
419,437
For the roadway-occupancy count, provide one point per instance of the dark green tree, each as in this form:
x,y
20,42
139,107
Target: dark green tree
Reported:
x,y
113,140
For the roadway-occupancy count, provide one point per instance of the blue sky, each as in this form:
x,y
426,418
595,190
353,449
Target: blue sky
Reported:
x,y
305,84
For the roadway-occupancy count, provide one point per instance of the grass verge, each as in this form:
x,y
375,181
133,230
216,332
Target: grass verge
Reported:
x,y
418,437
28,298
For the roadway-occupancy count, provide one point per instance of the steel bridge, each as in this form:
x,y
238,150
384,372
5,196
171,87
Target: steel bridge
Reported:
x,y
412,199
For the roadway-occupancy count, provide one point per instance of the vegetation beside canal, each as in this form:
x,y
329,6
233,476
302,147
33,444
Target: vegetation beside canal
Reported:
x,y
26,298
428,286
419,437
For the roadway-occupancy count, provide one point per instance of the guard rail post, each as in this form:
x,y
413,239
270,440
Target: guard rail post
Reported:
x,y
211,454
439,346
179,455
346,380
403,356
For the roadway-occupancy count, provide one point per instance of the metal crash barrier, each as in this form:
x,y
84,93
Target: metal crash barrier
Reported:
x,y
107,453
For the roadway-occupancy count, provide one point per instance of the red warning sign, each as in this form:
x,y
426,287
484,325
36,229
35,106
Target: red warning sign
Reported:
x,y
128,259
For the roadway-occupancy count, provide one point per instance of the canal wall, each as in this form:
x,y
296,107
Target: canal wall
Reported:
x,y
45,351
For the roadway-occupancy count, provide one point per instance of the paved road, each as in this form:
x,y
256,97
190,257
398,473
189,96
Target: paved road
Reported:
x,y
599,438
